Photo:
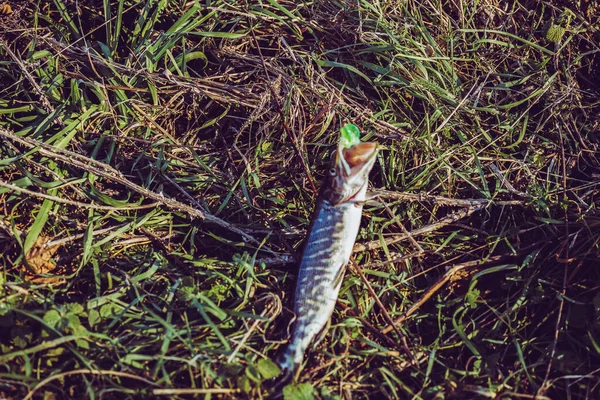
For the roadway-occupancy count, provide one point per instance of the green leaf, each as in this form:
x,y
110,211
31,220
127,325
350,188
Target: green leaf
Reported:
x,y
472,296
74,323
555,33
109,310
350,135
326,63
302,391
244,384
52,318
74,308
94,317
38,224
267,368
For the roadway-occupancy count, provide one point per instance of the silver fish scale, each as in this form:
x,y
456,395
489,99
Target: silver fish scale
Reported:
x,y
325,256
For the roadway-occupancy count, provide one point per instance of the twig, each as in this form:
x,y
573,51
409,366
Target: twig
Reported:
x,y
188,196
72,202
72,238
565,247
272,309
37,88
462,102
106,171
218,91
507,184
425,198
383,309
447,220
85,372
403,229
286,128
437,286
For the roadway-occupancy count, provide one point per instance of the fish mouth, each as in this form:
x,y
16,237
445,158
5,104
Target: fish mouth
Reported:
x,y
356,158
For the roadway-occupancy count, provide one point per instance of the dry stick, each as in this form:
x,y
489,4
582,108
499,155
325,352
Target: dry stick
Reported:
x,y
403,229
433,289
178,187
43,99
106,171
85,372
383,310
462,102
272,309
215,90
72,238
286,128
173,392
56,176
566,248
507,184
447,220
425,198
72,202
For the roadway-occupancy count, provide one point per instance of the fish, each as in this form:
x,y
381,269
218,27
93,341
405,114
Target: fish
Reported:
x,y
331,236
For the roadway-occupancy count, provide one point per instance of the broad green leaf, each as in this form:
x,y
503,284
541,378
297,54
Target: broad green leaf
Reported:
x,y
74,308
52,318
38,224
73,322
267,368
93,317
302,391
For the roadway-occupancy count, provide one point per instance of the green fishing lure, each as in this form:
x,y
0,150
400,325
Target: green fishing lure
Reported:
x,y
349,135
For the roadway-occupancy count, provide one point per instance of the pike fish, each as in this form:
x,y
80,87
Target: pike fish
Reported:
x,y
331,237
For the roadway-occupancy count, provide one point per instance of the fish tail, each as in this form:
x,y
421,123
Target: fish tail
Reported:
x,y
289,362
291,358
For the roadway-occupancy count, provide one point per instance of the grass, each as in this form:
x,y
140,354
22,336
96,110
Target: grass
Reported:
x,y
159,163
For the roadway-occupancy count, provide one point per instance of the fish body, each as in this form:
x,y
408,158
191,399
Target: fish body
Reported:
x,y
328,248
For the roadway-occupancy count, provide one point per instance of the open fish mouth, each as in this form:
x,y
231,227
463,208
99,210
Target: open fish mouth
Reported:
x,y
356,158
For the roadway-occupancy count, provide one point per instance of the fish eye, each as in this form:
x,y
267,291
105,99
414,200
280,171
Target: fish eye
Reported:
x,y
332,171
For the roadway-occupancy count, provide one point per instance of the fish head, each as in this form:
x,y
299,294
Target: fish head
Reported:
x,y
349,171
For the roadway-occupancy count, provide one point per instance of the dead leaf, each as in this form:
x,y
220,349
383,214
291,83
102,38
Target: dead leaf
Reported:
x,y
40,260
458,279
5,9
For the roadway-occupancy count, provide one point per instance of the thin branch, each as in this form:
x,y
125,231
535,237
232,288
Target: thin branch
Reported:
x,y
108,172
507,184
437,286
383,309
36,87
72,202
286,128
85,372
224,93
447,220
403,229
426,198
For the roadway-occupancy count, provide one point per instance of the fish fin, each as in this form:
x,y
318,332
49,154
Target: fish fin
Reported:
x,y
322,333
277,384
287,360
337,279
